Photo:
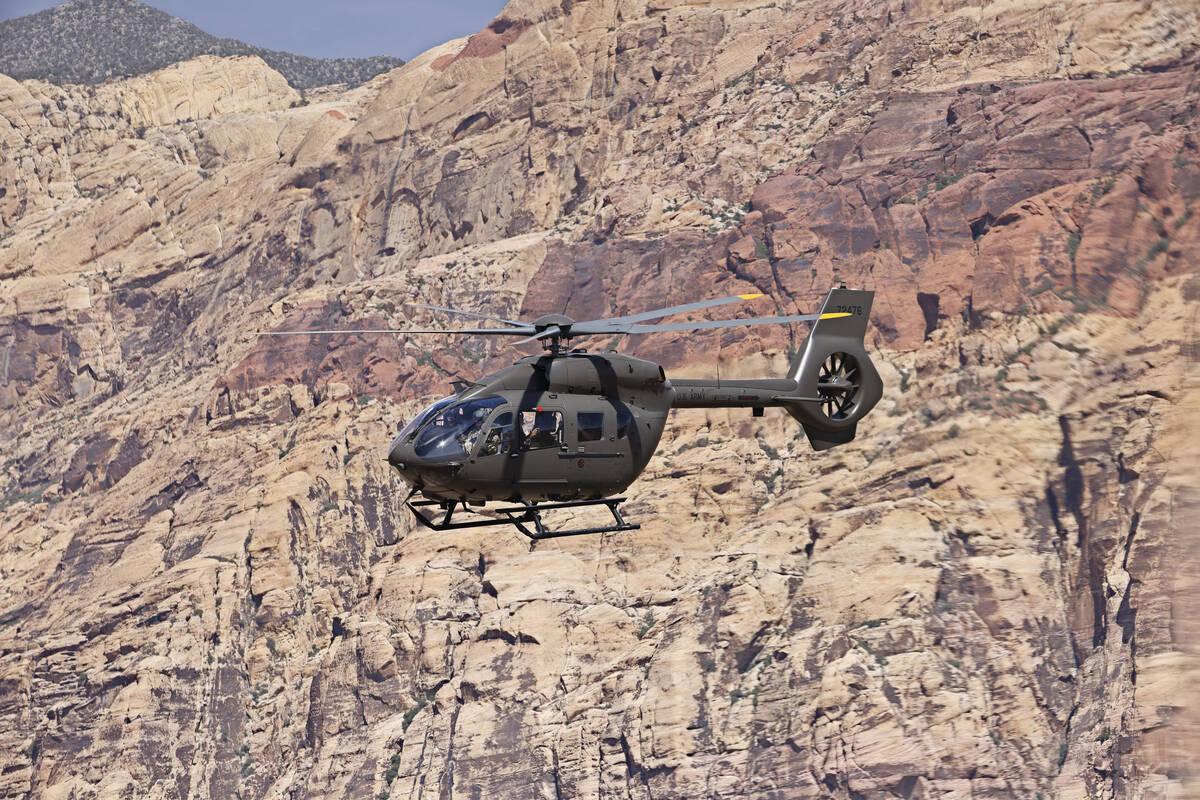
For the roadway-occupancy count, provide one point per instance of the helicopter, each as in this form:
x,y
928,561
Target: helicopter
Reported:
x,y
571,429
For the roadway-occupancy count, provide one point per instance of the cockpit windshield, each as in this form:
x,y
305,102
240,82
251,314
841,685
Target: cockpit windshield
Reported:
x,y
424,416
449,430
410,429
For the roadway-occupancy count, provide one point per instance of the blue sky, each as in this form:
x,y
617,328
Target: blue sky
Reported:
x,y
321,28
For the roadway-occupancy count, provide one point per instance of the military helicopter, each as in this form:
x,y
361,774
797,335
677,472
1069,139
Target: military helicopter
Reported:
x,y
572,429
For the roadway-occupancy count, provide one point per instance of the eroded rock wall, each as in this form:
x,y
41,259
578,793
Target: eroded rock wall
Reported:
x,y
208,586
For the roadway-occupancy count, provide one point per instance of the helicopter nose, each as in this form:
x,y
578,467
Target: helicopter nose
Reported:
x,y
419,471
401,456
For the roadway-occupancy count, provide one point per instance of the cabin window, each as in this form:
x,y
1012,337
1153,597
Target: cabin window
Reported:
x,y
499,436
590,426
624,423
541,429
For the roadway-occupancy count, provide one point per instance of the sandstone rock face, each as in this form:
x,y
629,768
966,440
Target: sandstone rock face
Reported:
x,y
206,87
209,586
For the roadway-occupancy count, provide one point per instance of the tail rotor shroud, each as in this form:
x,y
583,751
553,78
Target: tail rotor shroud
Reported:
x,y
834,370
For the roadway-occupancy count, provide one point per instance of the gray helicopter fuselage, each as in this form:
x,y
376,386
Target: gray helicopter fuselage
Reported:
x,y
571,429
562,426
574,426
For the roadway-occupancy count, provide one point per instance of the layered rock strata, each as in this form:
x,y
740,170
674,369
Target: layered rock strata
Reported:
x,y
209,586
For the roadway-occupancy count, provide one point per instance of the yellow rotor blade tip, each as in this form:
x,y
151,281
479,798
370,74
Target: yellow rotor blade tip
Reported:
x,y
749,296
835,315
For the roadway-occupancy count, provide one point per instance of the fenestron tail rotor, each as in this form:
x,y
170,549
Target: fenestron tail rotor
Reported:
x,y
838,384
553,329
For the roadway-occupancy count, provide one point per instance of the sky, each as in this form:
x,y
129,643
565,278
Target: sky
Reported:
x,y
320,28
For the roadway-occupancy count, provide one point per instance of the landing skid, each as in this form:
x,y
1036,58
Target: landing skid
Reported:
x,y
519,517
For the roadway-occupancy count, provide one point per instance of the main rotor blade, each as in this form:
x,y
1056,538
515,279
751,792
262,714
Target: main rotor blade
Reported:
x,y
524,331
553,330
666,312
617,325
466,313
730,323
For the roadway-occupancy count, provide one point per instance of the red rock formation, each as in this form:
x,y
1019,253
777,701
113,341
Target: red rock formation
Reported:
x,y
209,587
994,199
499,34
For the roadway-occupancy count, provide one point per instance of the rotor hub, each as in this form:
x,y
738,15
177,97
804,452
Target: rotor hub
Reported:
x,y
546,320
554,330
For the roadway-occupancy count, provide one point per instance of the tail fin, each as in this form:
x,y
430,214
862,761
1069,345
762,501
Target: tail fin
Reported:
x,y
837,385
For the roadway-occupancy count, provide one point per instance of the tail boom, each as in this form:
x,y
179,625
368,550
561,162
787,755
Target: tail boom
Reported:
x,y
695,393
831,383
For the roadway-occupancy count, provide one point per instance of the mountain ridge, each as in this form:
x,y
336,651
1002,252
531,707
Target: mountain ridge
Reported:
x,y
210,586
90,41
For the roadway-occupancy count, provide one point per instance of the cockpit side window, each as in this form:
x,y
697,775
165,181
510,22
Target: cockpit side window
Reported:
x,y
499,437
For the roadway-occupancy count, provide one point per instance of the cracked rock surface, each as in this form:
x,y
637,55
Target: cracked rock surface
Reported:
x,y
209,586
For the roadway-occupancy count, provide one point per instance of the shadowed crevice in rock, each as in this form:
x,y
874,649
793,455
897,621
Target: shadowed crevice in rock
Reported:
x,y
1091,569
929,307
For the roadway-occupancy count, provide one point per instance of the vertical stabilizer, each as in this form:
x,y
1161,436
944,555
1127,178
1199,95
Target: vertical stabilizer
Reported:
x,y
837,384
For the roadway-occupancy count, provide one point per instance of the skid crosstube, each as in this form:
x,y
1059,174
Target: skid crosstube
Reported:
x,y
520,516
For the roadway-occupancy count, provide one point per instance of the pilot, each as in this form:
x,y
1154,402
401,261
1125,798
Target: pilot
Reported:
x,y
545,430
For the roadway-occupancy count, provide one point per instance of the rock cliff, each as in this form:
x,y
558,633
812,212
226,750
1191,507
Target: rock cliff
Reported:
x,y
209,588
